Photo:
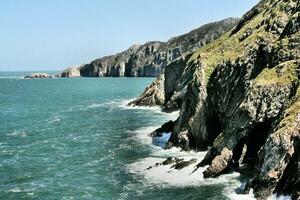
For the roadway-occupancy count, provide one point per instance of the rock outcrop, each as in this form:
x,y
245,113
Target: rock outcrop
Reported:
x,y
171,91
70,72
165,128
37,75
176,163
242,94
150,59
153,94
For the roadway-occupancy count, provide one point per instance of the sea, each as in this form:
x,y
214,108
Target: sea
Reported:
x,y
75,138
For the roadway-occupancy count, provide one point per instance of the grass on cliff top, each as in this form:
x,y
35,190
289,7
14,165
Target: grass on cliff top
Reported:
x,y
288,125
285,73
231,47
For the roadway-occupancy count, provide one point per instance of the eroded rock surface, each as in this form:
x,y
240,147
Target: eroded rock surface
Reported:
x,y
242,99
153,94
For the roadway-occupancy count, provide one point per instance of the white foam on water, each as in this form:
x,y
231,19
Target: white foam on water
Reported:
x,y
280,197
95,105
11,77
54,119
18,133
15,190
166,176
155,109
141,135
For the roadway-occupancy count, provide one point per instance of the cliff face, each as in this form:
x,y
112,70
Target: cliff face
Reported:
x,y
170,87
150,59
242,92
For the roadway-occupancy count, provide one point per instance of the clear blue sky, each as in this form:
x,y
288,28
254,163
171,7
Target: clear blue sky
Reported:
x,y
53,34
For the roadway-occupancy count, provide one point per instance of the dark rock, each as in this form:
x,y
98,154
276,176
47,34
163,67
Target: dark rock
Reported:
x,y
165,128
242,98
182,164
171,160
291,175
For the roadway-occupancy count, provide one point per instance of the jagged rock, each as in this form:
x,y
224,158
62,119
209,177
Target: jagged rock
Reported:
x,y
218,164
177,78
168,161
182,164
291,175
170,91
153,94
165,128
38,75
70,72
171,160
244,94
177,163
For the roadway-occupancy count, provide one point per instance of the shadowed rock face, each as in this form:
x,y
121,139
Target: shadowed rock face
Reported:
x,y
169,88
150,59
242,93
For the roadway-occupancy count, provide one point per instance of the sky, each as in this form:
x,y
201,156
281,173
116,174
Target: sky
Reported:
x,y
55,34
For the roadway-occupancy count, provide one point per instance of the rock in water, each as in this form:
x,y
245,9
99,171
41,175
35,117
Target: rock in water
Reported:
x,y
38,75
71,72
165,128
182,164
153,94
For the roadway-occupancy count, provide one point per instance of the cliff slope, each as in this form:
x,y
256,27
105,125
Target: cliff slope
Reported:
x,y
242,99
150,59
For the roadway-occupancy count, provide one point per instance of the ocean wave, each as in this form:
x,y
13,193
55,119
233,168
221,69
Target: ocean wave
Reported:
x,y
18,133
155,109
54,119
165,176
11,77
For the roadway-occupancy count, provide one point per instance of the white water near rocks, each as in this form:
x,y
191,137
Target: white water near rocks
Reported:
x,y
87,144
167,176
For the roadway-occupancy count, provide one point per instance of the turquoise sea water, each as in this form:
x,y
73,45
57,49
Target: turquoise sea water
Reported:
x,y
76,139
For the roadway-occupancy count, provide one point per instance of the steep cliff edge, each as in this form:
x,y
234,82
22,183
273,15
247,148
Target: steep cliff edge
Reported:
x,y
243,92
175,71
150,59
170,87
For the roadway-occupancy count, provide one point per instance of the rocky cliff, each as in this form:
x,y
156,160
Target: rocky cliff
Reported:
x,y
150,59
240,98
